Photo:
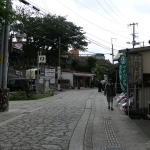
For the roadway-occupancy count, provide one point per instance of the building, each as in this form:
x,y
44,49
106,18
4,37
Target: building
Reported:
x,y
138,76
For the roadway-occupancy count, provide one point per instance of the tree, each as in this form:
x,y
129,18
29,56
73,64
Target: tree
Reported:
x,y
91,63
6,12
43,33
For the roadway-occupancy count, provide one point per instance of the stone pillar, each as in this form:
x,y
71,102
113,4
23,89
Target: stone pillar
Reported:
x,y
4,99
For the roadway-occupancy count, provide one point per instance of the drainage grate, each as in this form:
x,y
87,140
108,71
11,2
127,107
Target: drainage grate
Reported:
x,y
112,148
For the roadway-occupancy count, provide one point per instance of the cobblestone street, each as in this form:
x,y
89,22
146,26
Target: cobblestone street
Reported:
x,y
46,127
70,120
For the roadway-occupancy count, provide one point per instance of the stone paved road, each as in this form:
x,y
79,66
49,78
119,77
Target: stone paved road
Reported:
x,y
47,124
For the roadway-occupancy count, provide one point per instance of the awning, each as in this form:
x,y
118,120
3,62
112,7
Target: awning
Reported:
x,y
83,74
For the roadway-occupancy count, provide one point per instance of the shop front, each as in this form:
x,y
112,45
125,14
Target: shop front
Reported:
x,y
83,79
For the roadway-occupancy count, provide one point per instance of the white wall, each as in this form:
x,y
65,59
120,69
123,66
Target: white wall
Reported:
x,y
68,75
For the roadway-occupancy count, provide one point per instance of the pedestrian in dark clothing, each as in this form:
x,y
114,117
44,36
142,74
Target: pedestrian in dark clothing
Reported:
x,y
99,87
110,93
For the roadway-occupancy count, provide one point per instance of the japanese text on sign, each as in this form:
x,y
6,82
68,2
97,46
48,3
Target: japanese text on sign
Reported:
x,y
135,68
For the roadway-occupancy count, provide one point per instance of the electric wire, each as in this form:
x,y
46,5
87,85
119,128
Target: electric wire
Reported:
x,y
111,9
119,11
91,22
99,44
101,15
95,43
59,23
106,10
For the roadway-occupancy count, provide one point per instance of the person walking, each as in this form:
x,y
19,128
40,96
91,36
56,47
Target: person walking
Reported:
x,y
99,86
110,93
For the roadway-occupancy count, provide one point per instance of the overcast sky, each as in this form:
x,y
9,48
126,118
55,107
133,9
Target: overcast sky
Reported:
x,y
105,22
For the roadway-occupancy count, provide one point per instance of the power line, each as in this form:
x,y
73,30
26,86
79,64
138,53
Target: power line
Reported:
x,y
118,10
100,14
112,9
91,22
97,43
106,10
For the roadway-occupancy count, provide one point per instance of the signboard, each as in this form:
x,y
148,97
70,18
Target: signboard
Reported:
x,y
51,74
19,73
59,72
135,71
122,72
18,45
42,59
47,72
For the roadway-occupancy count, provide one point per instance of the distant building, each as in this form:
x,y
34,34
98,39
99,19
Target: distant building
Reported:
x,y
74,52
99,56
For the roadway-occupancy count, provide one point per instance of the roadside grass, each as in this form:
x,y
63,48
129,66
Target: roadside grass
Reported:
x,y
21,95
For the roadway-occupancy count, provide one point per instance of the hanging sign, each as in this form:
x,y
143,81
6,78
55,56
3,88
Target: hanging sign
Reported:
x,y
135,71
18,45
42,59
122,72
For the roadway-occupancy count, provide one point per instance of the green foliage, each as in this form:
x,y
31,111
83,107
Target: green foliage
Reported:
x,y
39,96
6,12
82,68
17,95
75,63
21,95
65,81
99,71
43,33
92,61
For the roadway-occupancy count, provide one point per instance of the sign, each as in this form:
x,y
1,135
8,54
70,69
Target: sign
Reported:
x,y
122,72
47,72
51,74
18,45
18,72
59,72
135,71
42,59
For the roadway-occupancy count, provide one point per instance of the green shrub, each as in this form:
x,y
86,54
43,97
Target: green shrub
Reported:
x,y
21,95
17,95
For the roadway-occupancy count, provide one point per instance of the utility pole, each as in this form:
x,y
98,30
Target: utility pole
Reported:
x,y
1,54
59,51
112,55
134,43
133,34
4,92
112,50
38,74
59,68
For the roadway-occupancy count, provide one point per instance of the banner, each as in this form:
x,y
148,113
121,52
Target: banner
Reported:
x,y
123,73
135,71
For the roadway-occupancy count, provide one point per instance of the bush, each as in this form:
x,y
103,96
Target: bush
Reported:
x,y
17,95
21,95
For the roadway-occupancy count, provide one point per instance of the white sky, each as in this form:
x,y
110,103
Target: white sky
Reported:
x,y
104,21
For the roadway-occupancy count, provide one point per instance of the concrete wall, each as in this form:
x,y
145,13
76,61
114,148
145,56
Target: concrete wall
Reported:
x,y
68,75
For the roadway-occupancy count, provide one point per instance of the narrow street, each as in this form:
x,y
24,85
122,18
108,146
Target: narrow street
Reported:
x,y
71,120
